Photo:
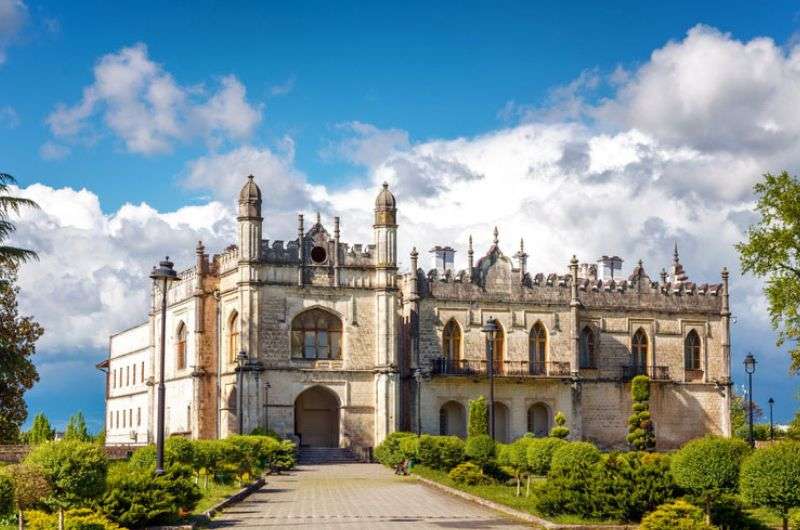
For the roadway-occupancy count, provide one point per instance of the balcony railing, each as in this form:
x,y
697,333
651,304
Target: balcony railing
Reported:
x,y
444,366
655,373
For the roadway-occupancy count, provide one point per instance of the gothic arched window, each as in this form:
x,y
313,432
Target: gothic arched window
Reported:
x,y
587,348
180,347
639,348
537,346
451,340
233,337
316,334
691,351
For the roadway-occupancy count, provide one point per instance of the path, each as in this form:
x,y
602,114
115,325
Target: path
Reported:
x,y
355,496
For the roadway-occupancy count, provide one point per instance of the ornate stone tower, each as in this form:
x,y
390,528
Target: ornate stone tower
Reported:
x,y
250,367
386,362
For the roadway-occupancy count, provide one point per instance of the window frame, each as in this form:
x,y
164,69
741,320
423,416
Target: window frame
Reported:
x,y
452,339
537,348
587,349
640,348
181,336
696,353
308,335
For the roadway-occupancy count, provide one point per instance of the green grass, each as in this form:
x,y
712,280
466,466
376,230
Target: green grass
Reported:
x,y
214,494
503,494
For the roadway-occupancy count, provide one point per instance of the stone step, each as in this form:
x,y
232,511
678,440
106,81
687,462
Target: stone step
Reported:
x,y
326,455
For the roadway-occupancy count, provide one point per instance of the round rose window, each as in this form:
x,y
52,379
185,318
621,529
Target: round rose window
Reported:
x,y
318,254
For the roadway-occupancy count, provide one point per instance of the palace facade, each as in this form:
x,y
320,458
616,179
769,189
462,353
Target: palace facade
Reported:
x,y
328,343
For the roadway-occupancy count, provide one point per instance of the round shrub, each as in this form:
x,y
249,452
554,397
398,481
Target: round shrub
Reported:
x,y
770,477
388,451
409,447
574,456
427,451
678,515
468,474
178,450
560,430
480,449
451,451
540,453
77,519
709,467
640,388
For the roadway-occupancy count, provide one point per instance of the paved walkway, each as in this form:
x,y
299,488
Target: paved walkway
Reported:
x,y
355,496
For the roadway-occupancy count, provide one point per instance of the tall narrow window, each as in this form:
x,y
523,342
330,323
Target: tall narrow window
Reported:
x,y
127,376
133,374
142,371
139,416
587,348
451,341
114,378
116,416
180,347
639,348
233,337
537,345
316,334
691,351
498,349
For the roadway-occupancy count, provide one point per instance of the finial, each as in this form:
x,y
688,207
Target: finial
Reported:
x,y
675,253
385,185
574,261
250,177
521,246
496,236
318,218
641,263
200,248
414,252
663,275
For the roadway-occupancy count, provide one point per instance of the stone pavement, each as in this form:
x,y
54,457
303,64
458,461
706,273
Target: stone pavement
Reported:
x,y
355,496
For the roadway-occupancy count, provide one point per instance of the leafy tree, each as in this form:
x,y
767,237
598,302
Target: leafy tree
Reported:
x,y
30,486
18,336
793,431
739,414
560,430
41,430
540,454
478,422
772,252
771,478
76,428
709,467
100,437
640,424
76,470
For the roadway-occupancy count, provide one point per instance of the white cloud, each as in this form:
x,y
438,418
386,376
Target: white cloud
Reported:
x,y
13,15
284,88
53,151
9,119
143,105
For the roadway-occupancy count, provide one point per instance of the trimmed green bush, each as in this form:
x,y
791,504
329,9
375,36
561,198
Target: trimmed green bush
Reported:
x,y
480,449
428,453
451,451
478,421
678,515
641,435
409,447
574,456
388,452
468,474
770,477
6,494
709,467
77,519
540,453
568,489
560,429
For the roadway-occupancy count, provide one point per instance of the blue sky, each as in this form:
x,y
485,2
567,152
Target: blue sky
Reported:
x,y
333,98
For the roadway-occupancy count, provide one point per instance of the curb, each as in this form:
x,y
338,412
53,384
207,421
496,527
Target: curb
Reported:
x,y
525,516
233,499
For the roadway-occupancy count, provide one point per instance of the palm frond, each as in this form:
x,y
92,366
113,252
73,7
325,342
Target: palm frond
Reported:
x,y
17,255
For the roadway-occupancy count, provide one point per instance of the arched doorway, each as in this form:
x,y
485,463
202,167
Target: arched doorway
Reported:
x,y
316,417
501,416
538,420
453,419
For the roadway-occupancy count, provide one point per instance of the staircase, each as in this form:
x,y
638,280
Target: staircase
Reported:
x,y
327,455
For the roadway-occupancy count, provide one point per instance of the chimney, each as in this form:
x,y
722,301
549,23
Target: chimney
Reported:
x,y
609,267
443,259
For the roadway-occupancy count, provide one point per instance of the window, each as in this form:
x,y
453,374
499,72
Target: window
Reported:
x,y
497,349
451,340
110,420
316,334
537,344
587,348
233,337
133,374
139,417
127,375
639,348
114,378
691,351
124,423
116,416
142,371
180,347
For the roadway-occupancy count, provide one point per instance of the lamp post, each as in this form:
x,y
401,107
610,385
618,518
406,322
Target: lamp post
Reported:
x,y
241,360
771,429
490,328
418,380
163,275
750,367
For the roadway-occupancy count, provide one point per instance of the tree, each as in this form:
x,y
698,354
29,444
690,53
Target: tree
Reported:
x,y
30,486
560,430
771,478
641,433
9,204
709,467
739,414
772,252
18,336
76,428
76,470
478,417
41,430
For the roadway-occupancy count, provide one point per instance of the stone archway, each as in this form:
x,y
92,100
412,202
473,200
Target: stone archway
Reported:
x,y
316,417
501,421
539,420
453,419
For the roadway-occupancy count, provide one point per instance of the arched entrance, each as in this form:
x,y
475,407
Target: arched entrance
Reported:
x,y
316,417
538,420
501,417
453,419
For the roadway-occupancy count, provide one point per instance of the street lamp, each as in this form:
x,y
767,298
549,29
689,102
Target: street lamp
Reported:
x,y
241,361
490,328
771,429
418,380
750,367
163,275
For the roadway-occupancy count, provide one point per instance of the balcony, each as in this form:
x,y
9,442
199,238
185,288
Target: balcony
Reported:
x,y
477,367
655,373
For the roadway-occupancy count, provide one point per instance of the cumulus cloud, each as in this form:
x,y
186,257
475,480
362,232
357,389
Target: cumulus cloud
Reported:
x,y
142,104
13,15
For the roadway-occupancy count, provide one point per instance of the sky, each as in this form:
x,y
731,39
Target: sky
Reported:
x,y
585,129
